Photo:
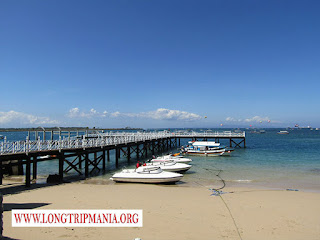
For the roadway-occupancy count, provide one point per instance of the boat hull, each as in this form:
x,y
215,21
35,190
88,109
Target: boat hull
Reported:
x,y
209,153
146,174
177,160
146,180
178,167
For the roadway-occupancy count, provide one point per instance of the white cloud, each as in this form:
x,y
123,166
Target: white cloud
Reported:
x,y
76,113
167,114
248,120
116,114
19,118
93,111
104,114
231,119
257,119
159,114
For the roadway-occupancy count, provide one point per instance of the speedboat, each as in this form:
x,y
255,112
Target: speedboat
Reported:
x,y
178,159
171,166
146,174
207,148
283,132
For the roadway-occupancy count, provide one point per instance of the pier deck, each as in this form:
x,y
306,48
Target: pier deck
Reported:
x,y
141,144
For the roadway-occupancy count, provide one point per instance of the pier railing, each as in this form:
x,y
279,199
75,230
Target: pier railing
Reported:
x,y
102,140
210,134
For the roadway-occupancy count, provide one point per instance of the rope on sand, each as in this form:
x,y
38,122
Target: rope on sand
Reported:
x,y
217,192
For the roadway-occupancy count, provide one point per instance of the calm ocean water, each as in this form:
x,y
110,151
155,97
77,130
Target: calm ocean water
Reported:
x,y
270,160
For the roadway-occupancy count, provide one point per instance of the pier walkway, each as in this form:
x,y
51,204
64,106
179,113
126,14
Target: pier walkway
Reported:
x,y
107,139
74,152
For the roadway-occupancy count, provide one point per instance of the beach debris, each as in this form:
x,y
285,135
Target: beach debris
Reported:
x,y
290,189
217,192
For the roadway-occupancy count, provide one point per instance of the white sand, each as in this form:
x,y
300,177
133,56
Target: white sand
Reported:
x,y
172,212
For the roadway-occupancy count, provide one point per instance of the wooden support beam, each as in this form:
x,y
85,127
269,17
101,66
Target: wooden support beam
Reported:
x,y
61,161
28,172
95,156
80,161
1,172
237,144
103,160
146,149
117,156
138,151
72,166
86,165
128,154
108,155
159,146
153,144
95,164
125,153
34,165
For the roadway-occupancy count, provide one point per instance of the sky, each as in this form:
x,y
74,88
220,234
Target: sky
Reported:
x,y
159,64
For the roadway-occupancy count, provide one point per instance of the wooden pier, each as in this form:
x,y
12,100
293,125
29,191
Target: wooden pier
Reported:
x,y
75,154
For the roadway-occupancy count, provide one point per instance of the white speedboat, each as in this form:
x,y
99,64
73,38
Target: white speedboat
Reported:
x,y
169,157
146,174
283,132
171,166
207,148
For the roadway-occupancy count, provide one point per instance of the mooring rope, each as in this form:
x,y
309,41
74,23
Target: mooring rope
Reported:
x,y
219,192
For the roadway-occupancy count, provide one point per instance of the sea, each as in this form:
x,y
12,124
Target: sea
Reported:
x,y
270,160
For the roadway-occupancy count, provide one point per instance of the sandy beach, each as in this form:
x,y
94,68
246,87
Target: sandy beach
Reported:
x,y
171,212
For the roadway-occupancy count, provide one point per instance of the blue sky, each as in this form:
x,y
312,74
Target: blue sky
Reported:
x,y
162,63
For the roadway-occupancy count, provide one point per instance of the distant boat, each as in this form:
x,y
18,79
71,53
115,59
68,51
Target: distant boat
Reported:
x,y
283,132
47,156
261,131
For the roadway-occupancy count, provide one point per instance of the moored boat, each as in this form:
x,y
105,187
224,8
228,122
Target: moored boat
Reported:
x,y
207,148
171,166
146,174
283,132
178,159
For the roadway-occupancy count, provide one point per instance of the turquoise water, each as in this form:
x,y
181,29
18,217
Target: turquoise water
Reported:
x,y
270,160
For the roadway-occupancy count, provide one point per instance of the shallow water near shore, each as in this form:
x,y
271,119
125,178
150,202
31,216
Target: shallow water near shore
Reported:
x,y
271,160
